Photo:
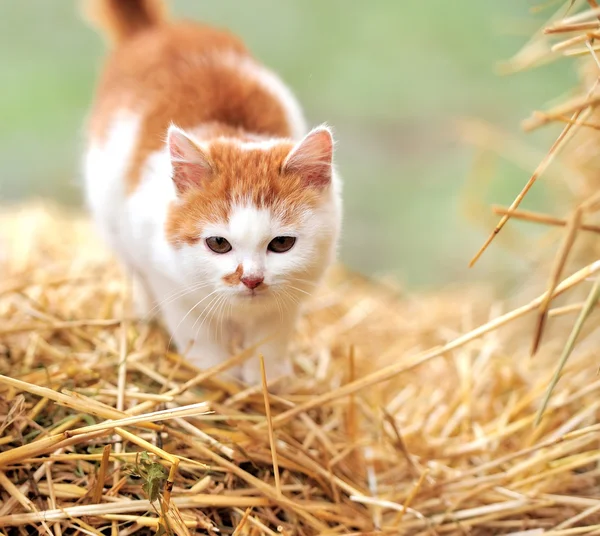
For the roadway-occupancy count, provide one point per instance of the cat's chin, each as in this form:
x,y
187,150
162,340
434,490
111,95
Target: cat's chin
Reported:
x,y
250,296
246,301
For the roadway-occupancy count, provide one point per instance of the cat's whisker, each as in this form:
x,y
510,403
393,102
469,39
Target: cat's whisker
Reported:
x,y
276,296
293,298
279,305
207,312
230,311
212,315
188,313
201,315
300,290
175,296
226,312
222,317
286,303
305,281
183,292
290,297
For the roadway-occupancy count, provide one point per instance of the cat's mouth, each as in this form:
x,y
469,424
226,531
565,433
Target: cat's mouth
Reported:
x,y
252,294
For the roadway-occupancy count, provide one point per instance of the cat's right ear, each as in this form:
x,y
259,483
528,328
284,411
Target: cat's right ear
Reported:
x,y
312,158
191,165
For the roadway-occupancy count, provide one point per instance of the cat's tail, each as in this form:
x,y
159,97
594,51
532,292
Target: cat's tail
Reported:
x,y
120,19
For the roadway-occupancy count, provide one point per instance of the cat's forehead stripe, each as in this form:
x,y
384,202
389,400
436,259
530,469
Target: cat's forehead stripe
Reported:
x,y
250,177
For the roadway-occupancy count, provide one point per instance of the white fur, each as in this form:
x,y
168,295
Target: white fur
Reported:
x,y
205,316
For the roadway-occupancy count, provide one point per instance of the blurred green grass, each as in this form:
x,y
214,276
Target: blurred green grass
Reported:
x,y
391,77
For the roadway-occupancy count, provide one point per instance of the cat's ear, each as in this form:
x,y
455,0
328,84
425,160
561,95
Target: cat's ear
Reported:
x,y
191,165
312,158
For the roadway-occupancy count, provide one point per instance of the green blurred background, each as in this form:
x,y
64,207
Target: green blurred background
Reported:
x,y
393,77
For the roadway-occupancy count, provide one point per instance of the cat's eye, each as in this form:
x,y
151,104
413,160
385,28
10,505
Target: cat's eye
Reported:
x,y
218,244
281,244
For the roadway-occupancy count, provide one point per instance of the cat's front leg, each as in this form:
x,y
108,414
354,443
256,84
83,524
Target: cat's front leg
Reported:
x,y
206,353
195,340
275,354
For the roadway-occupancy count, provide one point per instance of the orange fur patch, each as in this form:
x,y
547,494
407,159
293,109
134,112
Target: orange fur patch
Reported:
x,y
120,19
251,177
234,278
171,73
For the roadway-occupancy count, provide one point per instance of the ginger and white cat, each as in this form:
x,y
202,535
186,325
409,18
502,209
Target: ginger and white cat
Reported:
x,y
202,177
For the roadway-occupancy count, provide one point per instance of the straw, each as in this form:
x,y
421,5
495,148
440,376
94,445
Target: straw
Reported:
x,y
405,414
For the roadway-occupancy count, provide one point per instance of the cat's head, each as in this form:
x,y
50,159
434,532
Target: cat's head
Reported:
x,y
258,221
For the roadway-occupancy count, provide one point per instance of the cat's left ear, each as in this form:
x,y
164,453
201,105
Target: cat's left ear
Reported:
x,y
191,165
312,158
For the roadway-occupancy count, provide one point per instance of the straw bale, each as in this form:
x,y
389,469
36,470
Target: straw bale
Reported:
x,y
407,414
444,446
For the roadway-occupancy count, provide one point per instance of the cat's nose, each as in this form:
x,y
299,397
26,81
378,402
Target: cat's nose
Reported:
x,y
252,282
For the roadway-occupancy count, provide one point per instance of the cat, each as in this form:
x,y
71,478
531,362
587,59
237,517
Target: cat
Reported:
x,y
203,178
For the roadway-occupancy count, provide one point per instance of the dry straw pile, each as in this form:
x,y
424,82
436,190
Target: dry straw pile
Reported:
x,y
406,416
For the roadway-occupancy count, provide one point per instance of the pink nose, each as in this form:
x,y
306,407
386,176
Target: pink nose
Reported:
x,y
252,282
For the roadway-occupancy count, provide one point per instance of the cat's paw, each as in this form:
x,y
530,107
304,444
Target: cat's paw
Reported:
x,y
274,369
